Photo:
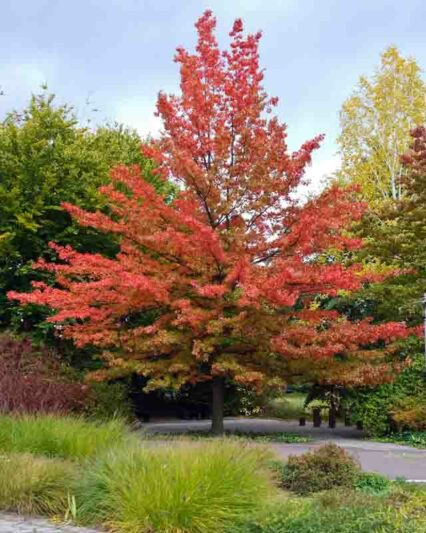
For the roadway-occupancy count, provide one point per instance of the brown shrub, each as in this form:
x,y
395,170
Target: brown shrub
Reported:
x,y
32,380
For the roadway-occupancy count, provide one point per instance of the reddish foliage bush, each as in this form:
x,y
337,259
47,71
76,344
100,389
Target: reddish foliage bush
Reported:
x,y
324,468
32,380
410,413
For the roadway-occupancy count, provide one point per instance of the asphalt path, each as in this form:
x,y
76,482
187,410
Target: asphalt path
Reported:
x,y
392,460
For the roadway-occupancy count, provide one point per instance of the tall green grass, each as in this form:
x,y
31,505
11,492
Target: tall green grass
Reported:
x,y
57,436
35,485
195,489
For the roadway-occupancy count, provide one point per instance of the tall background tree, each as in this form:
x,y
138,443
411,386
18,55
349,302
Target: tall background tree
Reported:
x,y
224,281
375,132
375,124
47,157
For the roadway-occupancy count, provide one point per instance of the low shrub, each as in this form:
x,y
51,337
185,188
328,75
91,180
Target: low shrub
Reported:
x,y
35,485
108,400
372,483
324,468
54,436
243,400
187,489
416,439
340,511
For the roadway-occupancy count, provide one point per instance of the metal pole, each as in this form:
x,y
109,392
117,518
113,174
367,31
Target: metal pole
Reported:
x,y
424,324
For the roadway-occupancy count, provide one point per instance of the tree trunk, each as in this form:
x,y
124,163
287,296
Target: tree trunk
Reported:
x,y
332,417
218,393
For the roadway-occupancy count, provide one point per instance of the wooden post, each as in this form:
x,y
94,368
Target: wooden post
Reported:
x,y
331,418
316,412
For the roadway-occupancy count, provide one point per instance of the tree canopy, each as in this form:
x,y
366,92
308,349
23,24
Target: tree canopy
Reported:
x,y
47,158
224,281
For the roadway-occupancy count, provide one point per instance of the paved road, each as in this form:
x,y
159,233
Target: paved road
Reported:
x,y
392,460
20,524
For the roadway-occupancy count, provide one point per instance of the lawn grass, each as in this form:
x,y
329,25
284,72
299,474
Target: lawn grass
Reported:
x,y
259,437
56,436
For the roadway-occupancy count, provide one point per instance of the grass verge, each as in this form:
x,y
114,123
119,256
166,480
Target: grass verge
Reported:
x,y
343,511
35,485
415,439
279,436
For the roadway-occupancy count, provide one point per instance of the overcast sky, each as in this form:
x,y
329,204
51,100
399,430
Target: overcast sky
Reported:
x,y
115,55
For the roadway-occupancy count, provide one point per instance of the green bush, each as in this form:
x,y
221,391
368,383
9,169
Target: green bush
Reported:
x,y
372,483
53,436
324,468
169,489
389,407
34,485
109,400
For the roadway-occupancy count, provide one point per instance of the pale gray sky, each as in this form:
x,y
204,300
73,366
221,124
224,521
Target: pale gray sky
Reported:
x,y
118,54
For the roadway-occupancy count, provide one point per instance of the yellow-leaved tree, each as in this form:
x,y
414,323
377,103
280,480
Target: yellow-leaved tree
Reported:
x,y
375,126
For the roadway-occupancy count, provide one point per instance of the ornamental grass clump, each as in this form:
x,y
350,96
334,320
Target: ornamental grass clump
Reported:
x,y
59,436
35,485
325,468
187,489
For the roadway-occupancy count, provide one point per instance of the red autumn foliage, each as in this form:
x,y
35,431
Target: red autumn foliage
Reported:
x,y
31,381
223,279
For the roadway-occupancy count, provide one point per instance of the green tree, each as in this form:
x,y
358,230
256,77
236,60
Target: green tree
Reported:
x,y
395,234
47,158
375,124
375,131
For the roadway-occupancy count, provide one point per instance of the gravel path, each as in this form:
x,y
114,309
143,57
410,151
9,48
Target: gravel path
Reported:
x,y
392,460
20,524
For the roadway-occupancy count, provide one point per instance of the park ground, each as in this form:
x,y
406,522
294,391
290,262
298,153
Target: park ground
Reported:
x,y
172,476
